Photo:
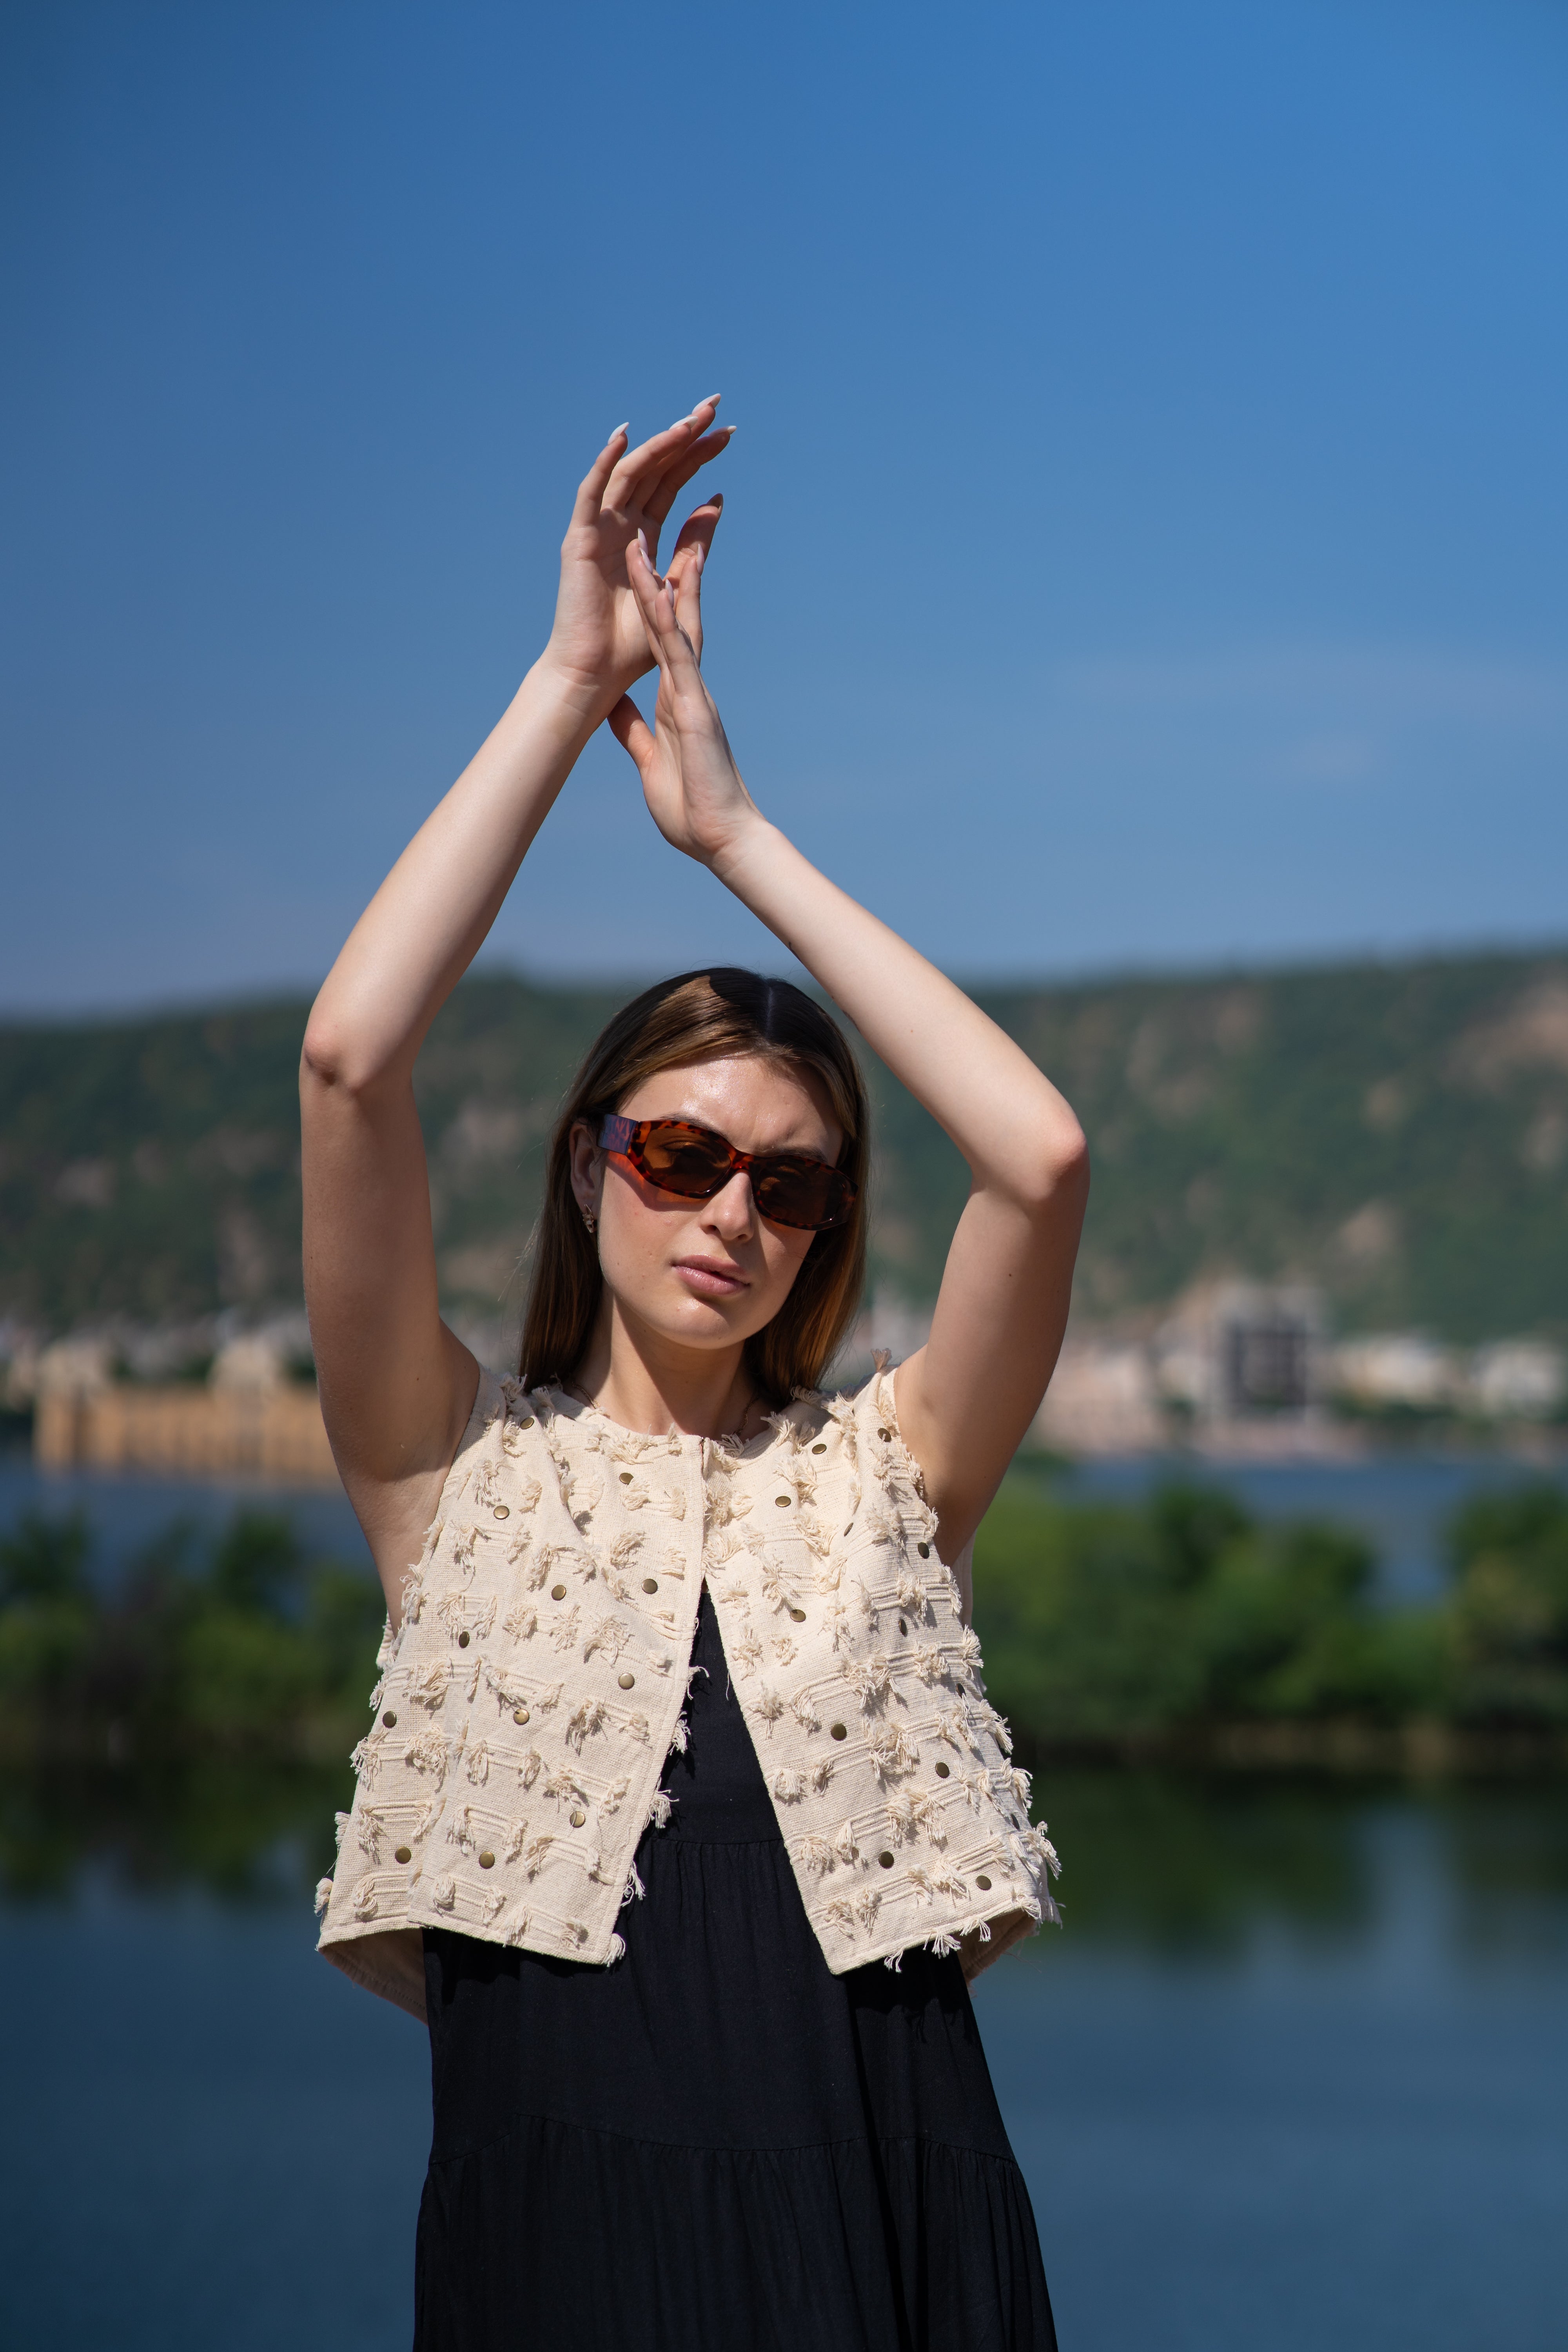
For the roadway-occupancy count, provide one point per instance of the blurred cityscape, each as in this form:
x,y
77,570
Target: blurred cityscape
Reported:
x,y
1248,1371
1231,1371
1329,1214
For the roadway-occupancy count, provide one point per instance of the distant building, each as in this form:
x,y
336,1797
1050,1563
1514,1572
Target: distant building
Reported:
x,y
1236,1351
1398,1368
1519,1379
248,1419
1103,1400
1508,1380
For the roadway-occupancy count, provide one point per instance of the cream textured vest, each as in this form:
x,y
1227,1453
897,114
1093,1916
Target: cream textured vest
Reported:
x,y
537,1682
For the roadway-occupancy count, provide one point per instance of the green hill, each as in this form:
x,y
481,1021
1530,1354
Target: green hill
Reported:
x,y
1397,1133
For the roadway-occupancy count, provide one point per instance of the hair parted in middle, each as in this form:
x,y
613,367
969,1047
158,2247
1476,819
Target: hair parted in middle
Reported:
x,y
694,1017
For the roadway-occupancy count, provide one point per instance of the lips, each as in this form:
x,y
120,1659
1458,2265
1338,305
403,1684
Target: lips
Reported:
x,y
709,1277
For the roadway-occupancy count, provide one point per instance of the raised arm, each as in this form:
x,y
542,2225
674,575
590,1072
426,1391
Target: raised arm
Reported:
x,y
396,1386
966,1398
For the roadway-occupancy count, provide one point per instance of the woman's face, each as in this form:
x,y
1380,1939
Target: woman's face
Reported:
x,y
705,1274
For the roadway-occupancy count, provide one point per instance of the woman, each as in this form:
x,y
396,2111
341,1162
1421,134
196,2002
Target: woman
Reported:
x,y
681,1730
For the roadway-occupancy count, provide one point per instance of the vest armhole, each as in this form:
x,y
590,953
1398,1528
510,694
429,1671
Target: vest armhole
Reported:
x,y
390,1963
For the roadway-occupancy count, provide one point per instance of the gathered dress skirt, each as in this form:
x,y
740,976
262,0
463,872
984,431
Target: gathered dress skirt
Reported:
x,y
714,2142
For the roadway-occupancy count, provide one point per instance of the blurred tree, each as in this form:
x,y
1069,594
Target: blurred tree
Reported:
x,y
1118,1625
47,1618
1508,1613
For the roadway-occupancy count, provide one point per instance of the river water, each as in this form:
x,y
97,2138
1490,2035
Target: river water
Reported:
x,y
1294,2073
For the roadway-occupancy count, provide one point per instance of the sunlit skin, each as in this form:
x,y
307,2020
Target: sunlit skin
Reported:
x,y
685,1282
688,1282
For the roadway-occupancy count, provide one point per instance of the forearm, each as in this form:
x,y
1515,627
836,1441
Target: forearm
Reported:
x,y
1011,1126
431,915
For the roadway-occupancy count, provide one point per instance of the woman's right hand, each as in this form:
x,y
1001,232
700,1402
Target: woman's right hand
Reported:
x,y
689,779
598,644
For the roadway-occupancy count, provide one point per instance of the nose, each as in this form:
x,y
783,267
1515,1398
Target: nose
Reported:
x,y
733,1213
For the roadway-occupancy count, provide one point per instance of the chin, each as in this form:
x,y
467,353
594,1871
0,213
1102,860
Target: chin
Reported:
x,y
699,1322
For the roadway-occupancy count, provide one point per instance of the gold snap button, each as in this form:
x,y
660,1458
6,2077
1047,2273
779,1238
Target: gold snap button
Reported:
x,y
389,1718
924,1550
650,1585
520,1714
837,1731
798,1615
502,1511
984,1882
403,1854
819,1448
558,1593
527,1422
884,1435
626,1681
464,1638
578,1817
625,1477
943,1770
782,1502
886,1860
486,1860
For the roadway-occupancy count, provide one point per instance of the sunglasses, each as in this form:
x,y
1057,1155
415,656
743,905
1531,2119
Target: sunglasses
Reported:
x,y
677,1156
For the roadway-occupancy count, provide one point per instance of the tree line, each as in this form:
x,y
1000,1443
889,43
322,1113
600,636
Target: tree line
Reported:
x,y
1183,1626
1177,1626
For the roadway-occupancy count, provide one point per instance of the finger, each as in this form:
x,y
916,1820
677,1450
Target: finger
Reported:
x,y
632,731
646,587
658,499
686,587
686,567
591,489
667,642
700,526
641,466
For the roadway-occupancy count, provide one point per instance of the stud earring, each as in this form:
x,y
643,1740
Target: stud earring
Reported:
x,y
591,1221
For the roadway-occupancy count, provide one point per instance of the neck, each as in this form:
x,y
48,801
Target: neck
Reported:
x,y
640,1379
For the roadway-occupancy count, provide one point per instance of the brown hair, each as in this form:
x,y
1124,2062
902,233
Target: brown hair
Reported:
x,y
692,1018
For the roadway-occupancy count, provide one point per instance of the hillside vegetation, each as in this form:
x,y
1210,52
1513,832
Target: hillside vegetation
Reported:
x,y
1398,1133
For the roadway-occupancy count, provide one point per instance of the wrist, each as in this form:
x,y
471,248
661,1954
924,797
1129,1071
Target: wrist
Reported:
x,y
747,848
581,695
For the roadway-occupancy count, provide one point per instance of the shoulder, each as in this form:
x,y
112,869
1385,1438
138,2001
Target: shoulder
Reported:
x,y
859,1423
870,1409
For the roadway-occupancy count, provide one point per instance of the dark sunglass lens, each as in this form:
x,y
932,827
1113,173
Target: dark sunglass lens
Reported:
x,y
806,1193
684,1160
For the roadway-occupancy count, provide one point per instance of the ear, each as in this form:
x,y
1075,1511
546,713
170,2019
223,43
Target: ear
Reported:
x,y
587,1164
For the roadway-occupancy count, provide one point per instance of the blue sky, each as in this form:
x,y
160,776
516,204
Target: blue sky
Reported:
x,y
1146,525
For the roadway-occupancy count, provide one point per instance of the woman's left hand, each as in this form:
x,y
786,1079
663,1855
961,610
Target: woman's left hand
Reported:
x,y
598,644
689,779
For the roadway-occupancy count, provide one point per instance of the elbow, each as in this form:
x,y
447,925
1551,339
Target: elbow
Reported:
x,y
332,1062
1058,1179
1073,1164
324,1058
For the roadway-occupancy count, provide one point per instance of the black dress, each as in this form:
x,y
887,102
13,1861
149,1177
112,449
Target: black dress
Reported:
x,y
714,2142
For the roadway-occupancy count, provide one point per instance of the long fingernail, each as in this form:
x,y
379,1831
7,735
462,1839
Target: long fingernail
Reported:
x,y
717,499
621,428
642,542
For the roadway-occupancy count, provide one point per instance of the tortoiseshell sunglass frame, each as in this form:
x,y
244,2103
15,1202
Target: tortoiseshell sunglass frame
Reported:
x,y
817,1196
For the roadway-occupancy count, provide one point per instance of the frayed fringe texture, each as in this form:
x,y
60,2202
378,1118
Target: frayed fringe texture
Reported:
x,y
850,1592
